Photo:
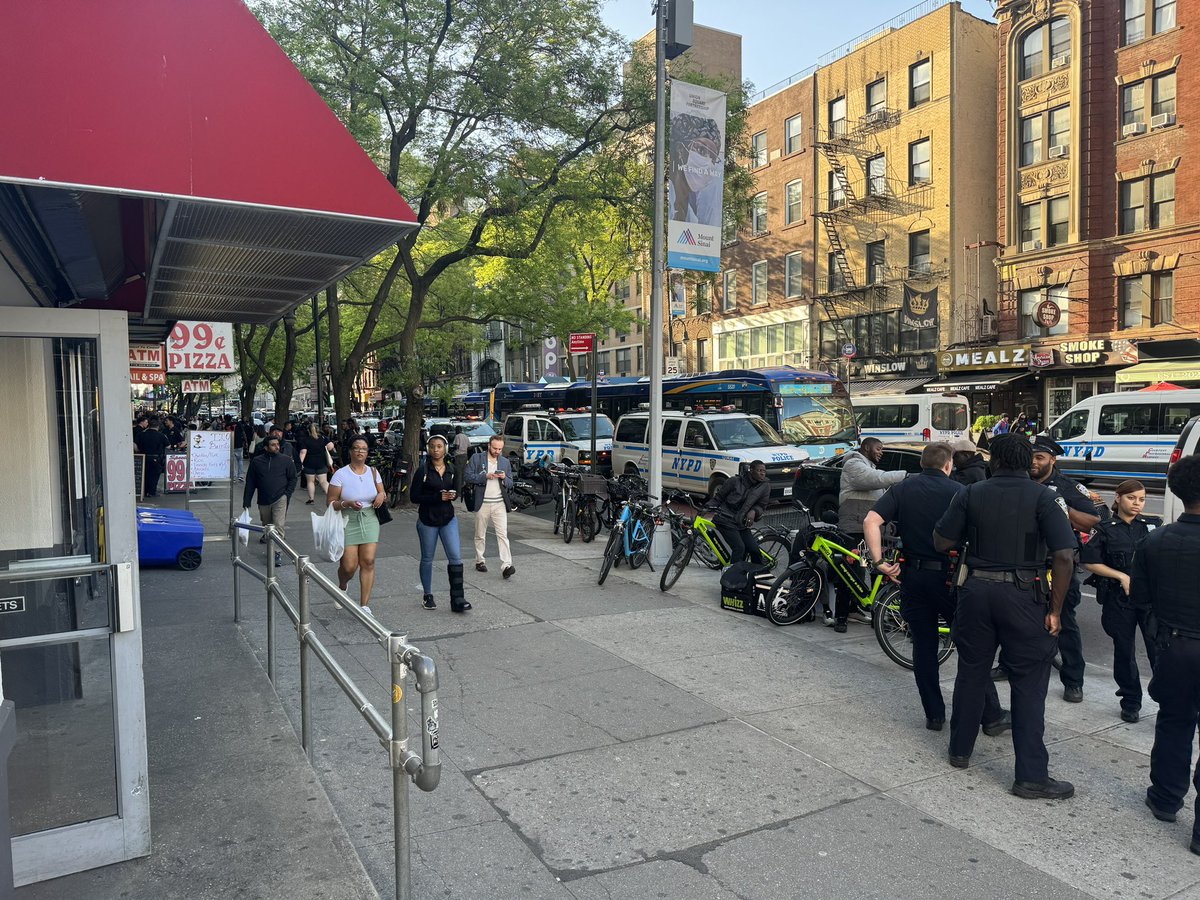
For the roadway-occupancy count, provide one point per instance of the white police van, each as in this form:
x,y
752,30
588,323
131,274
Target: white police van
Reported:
x,y
703,446
533,435
912,417
1125,435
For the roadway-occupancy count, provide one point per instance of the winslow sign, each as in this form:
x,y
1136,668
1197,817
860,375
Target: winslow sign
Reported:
x,y
985,358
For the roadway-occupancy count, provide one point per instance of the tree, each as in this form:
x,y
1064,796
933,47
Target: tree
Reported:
x,y
494,117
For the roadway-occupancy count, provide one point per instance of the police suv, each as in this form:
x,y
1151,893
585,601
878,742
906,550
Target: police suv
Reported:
x,y
703,446
533,435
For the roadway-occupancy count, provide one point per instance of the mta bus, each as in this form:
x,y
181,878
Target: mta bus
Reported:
x,y
810,409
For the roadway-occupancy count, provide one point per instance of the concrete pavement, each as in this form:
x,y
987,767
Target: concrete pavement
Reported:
x,y
621,742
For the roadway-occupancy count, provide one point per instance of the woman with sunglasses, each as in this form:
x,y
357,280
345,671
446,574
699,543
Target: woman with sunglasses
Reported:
x,y
433,491
357,492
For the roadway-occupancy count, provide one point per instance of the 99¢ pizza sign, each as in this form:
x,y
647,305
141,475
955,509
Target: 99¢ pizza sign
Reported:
x,y
200,347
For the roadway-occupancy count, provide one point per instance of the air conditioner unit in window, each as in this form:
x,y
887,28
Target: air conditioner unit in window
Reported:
x,y
1133,128
1060,151
1060,62
876,115
1031,245
987,326
1162,121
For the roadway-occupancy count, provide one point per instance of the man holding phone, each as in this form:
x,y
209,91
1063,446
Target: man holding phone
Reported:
x,y
493,473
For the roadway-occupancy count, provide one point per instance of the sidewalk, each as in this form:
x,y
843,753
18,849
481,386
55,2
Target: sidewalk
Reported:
x,y
621,742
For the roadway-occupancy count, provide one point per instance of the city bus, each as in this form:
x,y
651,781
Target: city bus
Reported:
x,y
810,409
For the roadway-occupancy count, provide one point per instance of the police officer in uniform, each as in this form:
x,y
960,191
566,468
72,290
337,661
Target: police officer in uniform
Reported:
x,y
1164,575
915,505
1009,524
1109,554
1082,513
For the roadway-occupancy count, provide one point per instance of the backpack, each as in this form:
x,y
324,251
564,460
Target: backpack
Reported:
x,y
744,588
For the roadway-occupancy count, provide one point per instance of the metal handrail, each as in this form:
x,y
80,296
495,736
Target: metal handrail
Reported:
x,y
424,768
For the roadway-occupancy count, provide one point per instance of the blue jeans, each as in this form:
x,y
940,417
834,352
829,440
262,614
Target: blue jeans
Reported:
x,y
429,535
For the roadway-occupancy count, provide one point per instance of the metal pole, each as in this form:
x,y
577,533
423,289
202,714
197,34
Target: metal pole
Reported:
x,y
235,535
320,374
397,750
660,548
303,630
595,460
270,533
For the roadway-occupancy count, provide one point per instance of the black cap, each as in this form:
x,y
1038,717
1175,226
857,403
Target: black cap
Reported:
x,y
1043,443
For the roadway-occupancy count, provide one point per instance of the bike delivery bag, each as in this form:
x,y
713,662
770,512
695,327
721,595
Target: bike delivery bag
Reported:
x,y
743,589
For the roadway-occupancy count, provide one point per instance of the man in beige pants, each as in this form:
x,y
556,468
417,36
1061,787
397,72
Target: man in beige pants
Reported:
x,y
489,476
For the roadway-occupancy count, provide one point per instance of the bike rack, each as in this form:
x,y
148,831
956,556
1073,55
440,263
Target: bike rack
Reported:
x,y
424,768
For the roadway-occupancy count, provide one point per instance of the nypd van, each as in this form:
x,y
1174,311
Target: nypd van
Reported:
x,y
912,417
703,447
533,435
1126,435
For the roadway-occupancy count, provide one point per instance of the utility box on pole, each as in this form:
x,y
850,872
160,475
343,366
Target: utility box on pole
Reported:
x,y
679,27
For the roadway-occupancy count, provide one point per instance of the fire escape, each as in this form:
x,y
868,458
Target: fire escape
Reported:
x,y
844,213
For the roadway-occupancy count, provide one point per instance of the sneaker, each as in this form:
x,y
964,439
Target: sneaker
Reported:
x,y
367,610
278,559
509,571
308,503
428,602
861,617
829,622
480,567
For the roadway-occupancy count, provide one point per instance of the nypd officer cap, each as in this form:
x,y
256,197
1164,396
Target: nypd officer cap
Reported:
x,y
1045,444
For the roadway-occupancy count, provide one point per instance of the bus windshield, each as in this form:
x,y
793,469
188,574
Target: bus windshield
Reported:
x,y
739,433
818,420
579,428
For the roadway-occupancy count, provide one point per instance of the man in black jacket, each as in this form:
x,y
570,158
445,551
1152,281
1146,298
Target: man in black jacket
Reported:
x,y
273,475
969,465
739,503
154,445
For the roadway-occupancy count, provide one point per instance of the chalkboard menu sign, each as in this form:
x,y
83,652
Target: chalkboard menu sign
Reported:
x,y
139,475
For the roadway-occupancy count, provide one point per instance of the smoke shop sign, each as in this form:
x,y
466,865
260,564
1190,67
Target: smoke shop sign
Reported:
x,y
984,358
1084,353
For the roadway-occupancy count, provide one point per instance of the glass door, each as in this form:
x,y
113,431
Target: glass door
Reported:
x,y
70,642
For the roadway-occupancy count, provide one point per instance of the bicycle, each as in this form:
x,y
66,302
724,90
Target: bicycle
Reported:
x,y
630,537
591,494
821,548
702,538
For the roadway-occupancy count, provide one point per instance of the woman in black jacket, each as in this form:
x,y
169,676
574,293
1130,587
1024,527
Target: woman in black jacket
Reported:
x,y
740,502
433,492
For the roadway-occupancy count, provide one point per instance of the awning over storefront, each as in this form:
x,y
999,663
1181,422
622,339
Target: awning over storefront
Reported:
x,y
891,386
982,381
1167,370
166,157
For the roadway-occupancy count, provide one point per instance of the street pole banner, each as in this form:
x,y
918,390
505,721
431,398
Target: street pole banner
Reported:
x,y
695,177
550,356
920,309
678,299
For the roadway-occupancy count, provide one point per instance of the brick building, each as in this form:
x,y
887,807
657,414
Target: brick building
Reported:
x,y
1098,265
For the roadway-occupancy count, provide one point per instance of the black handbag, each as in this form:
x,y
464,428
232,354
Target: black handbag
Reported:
x,y
383,514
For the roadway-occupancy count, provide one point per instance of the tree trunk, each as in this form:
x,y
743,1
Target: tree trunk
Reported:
x,y
283,392
246,395
338,380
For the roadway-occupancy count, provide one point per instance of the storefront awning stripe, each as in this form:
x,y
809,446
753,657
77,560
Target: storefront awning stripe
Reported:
x,y
979,382
889,386
1152,372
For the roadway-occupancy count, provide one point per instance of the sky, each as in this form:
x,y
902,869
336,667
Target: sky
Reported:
x,y
779,37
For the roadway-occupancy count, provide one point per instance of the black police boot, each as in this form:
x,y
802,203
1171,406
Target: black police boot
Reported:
x,y
1044,790
458,599
840,625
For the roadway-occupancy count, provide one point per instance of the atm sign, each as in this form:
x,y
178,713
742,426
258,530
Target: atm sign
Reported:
x,y
12,604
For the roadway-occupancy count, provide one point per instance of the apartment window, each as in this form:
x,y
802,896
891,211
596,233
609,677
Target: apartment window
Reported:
x,y
836,281
743,344
1162,297
831,347
758,285
793,275
758,213
1135,21
837,117
1060,39
1164,15
1031,226
1031,140
919,80
623,360
703,300
758,150
1162,200
1029,303
641,367
1162,95
1133,104
1060,126
877,175
725,349
918,252
1144,301
876,262
728,228
1058,212
701,355
837,196
729,291
794,202
877,96
1033,53
1132,206
920,169
791,134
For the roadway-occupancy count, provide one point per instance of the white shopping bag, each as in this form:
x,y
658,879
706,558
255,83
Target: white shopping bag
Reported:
x,y
243,534
329,534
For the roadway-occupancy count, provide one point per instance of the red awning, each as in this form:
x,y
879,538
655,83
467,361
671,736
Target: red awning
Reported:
x,y
261,195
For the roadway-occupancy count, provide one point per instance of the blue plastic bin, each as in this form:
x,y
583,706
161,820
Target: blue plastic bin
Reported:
x,y
176,539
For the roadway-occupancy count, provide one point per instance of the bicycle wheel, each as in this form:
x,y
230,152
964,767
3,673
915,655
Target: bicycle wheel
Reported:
x,y
612,550
680,557
893,632
570,519
558,510
795,594
639,541
589,520
775,553
704,553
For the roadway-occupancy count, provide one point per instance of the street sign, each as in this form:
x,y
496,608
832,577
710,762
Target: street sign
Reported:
x,y
582,343
197,386
673,366
201,347
848,350
1047,314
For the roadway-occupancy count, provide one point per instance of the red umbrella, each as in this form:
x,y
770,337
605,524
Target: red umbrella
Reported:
x,y
1162,386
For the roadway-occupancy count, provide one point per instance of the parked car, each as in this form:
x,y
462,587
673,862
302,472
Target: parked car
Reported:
x,y
478,432
1185,446
818,484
